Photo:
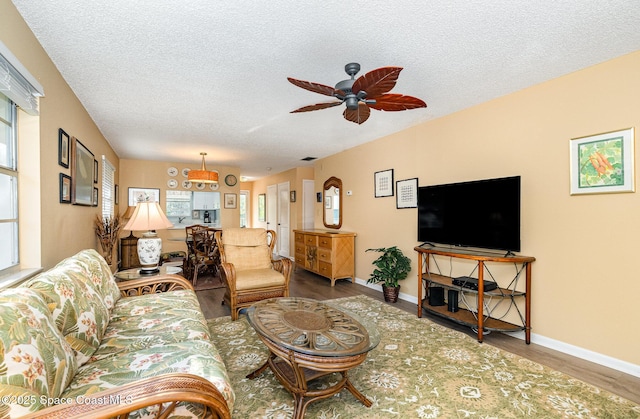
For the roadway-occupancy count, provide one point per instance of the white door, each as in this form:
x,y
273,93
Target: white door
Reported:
x,y
308,204
283,219
272,208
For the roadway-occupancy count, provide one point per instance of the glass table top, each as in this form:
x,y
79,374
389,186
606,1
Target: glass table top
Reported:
x,y
135,273
312,327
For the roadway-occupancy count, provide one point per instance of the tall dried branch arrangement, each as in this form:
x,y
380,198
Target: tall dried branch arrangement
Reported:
x,y
108,230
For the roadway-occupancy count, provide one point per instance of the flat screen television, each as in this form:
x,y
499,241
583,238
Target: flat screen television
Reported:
x,y
483,213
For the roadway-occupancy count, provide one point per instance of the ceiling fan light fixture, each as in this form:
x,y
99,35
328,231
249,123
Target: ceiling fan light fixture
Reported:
x,y
352,102
203,175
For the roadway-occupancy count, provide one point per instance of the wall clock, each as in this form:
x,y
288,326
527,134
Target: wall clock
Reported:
x,y
230,180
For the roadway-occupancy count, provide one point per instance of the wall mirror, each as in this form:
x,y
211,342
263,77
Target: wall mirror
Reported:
x,y
332,214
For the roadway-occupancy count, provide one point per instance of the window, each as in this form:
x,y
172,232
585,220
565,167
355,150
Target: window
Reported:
x,y
244,208
8,186
108,188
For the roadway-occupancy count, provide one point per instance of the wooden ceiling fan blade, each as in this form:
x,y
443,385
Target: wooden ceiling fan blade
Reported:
x,y
357,115
313,87
395,102
317,106
377,82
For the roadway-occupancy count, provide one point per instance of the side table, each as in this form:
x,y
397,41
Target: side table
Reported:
x,y
134,273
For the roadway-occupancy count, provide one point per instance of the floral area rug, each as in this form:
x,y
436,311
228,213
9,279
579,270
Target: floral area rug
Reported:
x,y
419,370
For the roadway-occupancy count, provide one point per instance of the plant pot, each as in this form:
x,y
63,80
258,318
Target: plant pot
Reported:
x,y
390,293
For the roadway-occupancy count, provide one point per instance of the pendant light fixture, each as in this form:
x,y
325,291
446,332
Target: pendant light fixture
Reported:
x,y
203,175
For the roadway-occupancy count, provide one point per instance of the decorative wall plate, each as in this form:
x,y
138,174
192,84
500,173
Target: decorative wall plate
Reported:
x,y
230,180
200,185
214,186
172,183
172,171
186,184
185,172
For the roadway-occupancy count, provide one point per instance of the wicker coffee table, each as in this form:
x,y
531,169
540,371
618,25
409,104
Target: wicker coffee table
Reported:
x,y
308,339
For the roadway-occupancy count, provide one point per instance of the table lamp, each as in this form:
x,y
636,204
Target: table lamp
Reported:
x,y
148,216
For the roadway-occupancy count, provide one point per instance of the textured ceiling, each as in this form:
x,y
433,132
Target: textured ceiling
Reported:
x,y
165,80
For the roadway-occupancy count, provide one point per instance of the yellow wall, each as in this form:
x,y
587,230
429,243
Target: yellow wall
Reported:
x,y
153,174
66,228
295,178
585,281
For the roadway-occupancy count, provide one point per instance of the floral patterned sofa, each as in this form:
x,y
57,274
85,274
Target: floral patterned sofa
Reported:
x,y
75,343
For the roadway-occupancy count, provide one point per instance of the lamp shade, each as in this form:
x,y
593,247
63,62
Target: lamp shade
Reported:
x,y
203,175
148,216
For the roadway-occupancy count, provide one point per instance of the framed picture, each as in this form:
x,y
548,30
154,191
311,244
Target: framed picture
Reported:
x,y
383,183
95,171
292,196
63,148
602,163
65,189
230,200
81,174
95,197
407,193
116,194
142,195
195,214
262,207
318,196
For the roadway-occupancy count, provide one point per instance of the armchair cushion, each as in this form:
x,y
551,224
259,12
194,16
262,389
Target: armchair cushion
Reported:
x,y
258,278
247,248
35,360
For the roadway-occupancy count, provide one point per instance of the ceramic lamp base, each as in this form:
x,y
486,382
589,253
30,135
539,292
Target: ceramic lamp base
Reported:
x,y
149,250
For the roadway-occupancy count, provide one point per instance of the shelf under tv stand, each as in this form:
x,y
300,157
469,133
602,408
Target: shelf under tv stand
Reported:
x,y
475,317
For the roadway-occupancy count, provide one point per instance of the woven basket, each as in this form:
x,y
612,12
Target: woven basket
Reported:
x,y
390,293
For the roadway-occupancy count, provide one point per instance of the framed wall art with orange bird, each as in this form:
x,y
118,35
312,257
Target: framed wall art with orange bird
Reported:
x,y
603,163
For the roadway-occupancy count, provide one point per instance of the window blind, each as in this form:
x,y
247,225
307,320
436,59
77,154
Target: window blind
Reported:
x,y
17,83
108,188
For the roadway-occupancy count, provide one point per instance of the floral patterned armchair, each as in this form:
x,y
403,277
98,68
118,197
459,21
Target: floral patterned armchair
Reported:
x,y
74,343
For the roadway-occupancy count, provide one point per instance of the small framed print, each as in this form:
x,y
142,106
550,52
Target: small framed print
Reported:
x,y
407,193
383,183
63,148
65,189
116,194
602,163
230,200
143,195
292,196
95,197
95,171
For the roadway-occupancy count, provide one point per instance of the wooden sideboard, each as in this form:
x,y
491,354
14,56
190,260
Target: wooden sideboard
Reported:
x,y
327,253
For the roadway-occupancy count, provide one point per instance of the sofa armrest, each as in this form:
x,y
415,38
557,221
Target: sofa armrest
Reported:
x,y
154,284
120,401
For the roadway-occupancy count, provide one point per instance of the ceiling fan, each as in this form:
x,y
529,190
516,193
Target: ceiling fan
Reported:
x,y
368,91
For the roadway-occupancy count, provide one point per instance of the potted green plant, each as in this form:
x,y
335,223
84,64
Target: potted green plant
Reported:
x,y
391,267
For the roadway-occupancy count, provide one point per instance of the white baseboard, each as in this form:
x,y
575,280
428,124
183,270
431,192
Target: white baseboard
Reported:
x,y
578,352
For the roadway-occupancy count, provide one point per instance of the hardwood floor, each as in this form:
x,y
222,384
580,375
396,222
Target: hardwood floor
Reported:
x,y
306,284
